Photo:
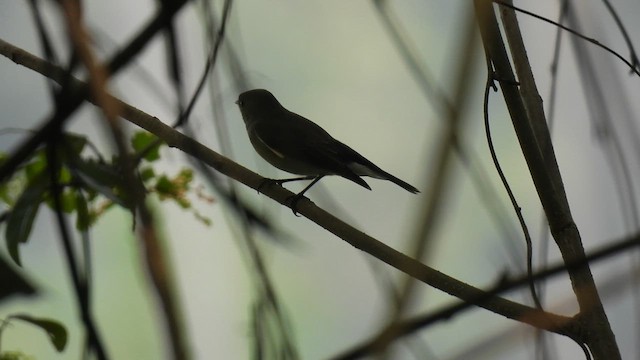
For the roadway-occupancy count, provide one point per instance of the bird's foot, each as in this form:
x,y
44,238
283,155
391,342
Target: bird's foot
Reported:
x,y
266,182
292,201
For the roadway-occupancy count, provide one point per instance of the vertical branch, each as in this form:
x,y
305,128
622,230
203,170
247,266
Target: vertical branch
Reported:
x,y
156,259
532,100
161,276
78,280
533,135
441,174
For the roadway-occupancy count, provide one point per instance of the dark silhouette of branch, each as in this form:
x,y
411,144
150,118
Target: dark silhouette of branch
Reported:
x,y
514,202
632,65
421,322
544,344
77,96
623,31
535,142
94,340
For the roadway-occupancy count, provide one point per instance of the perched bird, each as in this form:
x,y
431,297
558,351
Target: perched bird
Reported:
x,y
296,145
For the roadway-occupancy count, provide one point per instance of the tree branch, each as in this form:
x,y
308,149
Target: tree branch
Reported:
x,y
533,134
525,314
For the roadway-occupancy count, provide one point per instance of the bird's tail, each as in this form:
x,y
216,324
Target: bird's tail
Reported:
x,y
361,166
401,183
370,169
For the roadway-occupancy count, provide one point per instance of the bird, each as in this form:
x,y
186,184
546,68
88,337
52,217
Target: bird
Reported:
x,y
297,145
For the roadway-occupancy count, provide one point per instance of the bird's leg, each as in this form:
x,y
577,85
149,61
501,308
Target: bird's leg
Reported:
x,y
266,181
293,200
282,181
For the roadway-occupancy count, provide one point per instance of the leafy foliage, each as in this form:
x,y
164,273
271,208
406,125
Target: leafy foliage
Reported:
x,y
14,355
56,332
13,282
90,186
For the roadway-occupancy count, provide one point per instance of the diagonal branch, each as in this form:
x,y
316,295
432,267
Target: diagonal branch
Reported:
x,y
525,314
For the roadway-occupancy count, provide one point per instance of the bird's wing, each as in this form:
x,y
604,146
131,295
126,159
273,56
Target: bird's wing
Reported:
x,y
290,139
302,140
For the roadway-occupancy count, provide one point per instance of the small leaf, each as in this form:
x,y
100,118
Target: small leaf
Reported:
x,y
103,178
68,200
147,173
183,202
37,166
14,355
148,144
203,219
186,176
83,219
6,195
12,282
165,187
75,142
64,176
22,216
11,189
55,330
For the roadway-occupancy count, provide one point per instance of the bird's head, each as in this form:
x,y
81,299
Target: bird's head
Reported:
x,y
257,102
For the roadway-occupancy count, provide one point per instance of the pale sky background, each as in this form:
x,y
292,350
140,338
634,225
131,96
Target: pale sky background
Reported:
x,y
332,62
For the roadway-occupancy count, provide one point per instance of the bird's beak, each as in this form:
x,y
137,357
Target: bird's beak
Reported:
x,y
237,102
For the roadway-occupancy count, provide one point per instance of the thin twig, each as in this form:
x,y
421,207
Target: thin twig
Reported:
x,y
79,282
514,202
74,99
573,32
623,30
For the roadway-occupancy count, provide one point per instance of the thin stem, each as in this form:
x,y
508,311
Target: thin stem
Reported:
x,y
631,65
514,202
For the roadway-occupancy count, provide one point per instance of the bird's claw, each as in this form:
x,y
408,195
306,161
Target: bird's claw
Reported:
x,y
266,182
292,201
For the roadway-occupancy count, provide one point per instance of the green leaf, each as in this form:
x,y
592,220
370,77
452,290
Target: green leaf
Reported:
x,y
183,202
165,187
75,142
147,173
14,355
37,166
186,176
68,200
23,214
64,176
8,191
4,194
13,282
148,144
55,330
83,220
103,178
